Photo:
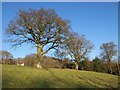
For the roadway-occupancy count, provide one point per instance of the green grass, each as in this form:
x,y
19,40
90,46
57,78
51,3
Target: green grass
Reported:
x,y
28,77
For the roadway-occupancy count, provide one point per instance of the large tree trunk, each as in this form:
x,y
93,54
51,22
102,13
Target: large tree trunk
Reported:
x,y
76,65
39,56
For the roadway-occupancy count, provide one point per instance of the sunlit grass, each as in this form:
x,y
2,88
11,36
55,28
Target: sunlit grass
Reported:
x,y
28,77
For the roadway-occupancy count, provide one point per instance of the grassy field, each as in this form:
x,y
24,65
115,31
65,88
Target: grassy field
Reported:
x,y
28,77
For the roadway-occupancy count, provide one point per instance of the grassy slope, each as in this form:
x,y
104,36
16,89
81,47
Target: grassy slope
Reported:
x,y
28,77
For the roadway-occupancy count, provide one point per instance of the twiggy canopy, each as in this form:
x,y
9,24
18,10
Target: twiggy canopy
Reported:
x,y
109,51
77,47
40,27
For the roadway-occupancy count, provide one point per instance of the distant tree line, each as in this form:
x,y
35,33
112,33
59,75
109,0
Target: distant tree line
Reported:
x,y
96,64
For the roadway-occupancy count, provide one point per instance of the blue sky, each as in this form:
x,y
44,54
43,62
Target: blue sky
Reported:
x,y
97,21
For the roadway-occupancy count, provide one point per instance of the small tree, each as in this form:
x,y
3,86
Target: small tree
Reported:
x,y
43,28
97,64
77,46
86,64
109,51
5,55
60,54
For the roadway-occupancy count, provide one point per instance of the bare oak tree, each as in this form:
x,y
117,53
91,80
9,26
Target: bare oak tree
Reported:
x,y
43,28
77,46
109,51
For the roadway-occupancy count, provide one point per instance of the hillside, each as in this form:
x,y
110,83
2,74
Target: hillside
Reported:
x,y
28,77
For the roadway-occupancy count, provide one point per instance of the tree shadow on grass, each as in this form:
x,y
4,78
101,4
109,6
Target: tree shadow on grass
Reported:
x,y
15,82
39,83
67,83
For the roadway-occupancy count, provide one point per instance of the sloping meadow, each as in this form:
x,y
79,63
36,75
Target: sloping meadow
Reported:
x,y
29,77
